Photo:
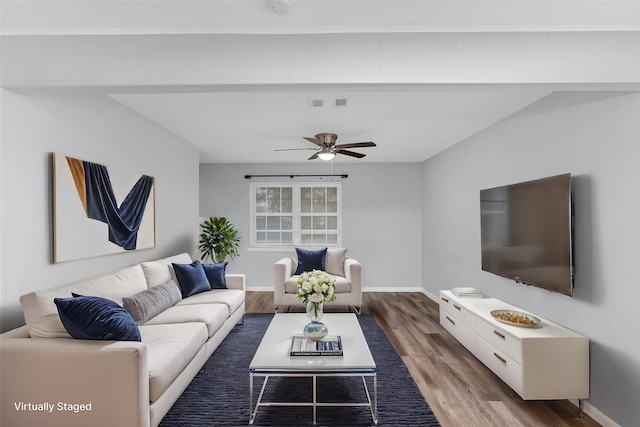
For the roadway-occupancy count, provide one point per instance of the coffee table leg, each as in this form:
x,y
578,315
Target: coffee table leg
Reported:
x,y
254,412
372,404
251,414
375,398
315,400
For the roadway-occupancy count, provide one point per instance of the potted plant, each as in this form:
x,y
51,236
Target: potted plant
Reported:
x,y
218,240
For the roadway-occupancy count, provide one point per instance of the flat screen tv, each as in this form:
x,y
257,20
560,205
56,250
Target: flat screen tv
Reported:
x,y
527,232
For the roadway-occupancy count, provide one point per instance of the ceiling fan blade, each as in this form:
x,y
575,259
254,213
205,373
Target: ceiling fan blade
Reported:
x,y
356,144
315,156
350,153
315,141
295,149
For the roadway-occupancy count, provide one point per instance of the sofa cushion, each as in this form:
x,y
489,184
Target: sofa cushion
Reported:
x,y
212,315
232,298
160,271
191,278
150,302
342,285
41,314
334,261
96,318
215,275
309,260
170,348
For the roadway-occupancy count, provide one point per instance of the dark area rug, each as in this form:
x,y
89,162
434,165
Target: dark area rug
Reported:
x,y
219,394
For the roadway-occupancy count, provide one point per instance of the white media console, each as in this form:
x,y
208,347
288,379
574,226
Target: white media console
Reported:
x,y
539,363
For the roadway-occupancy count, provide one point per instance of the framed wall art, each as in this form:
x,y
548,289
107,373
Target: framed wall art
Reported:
x,y
100,210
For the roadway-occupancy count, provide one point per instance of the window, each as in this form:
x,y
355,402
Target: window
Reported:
x,y
298,214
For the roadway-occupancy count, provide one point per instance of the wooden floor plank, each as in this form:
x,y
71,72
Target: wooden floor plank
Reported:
x,y
459,388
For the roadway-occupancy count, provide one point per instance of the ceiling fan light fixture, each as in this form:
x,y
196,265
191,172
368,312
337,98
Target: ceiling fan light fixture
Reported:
x,y
326,155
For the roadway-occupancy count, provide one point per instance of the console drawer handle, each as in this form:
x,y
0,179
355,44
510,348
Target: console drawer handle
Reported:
x,y
444,299
449,319
456,306
499,334
503,360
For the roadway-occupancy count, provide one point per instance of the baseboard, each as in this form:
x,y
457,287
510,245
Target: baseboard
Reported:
x,y
434,298
596,414
392,289
376,289
260,288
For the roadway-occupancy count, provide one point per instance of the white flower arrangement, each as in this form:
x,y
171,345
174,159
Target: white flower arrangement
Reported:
x,y
316,286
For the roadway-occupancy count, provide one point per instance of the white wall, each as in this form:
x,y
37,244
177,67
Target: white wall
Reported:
x,y
381,217
95,128
596,137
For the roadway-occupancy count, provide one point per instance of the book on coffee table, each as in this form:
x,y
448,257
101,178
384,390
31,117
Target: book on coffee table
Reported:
x,y
331,345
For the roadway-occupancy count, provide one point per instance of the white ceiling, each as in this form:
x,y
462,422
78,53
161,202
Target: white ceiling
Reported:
x,y
408,123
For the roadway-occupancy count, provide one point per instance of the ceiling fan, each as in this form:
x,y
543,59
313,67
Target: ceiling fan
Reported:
x,y
327,148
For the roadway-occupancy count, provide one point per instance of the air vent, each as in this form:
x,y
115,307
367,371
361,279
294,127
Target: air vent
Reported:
x,y
328,102
341,102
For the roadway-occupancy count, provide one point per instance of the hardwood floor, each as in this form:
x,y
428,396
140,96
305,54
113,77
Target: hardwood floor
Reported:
x,y
459,388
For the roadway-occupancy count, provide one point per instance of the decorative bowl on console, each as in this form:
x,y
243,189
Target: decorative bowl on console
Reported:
x,y
516,318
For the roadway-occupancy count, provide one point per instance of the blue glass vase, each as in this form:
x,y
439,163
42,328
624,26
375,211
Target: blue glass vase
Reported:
x,y
315,330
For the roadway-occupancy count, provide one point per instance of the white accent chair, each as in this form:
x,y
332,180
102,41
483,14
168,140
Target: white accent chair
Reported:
x,y
346,271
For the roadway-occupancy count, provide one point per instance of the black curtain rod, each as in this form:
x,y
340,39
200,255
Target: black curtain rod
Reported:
x,y
344,175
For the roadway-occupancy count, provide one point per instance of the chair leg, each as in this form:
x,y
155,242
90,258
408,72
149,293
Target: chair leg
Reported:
x,y
357,309
284,311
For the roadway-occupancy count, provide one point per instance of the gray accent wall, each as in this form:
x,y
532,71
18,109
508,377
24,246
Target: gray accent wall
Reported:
x,y
381,217
98,129
596,137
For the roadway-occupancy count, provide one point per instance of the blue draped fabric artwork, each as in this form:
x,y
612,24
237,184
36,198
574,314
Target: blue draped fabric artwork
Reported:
x,y
96,193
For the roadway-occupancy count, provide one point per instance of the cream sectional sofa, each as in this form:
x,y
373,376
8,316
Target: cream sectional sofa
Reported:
x,y
50,379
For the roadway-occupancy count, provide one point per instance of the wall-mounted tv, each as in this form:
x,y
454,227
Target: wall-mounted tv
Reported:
x,y
527,232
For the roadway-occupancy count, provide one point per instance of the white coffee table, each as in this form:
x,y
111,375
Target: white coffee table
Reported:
x,y
272,359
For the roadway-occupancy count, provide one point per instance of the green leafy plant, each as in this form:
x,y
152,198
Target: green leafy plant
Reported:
x,y
218,240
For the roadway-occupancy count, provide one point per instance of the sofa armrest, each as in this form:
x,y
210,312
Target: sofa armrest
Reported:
x,y
353,273
283,269
236,281
110,378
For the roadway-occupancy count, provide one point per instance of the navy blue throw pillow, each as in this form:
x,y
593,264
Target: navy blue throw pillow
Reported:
x,y
215,275
310,260
191,278
96,318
